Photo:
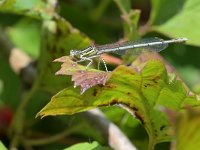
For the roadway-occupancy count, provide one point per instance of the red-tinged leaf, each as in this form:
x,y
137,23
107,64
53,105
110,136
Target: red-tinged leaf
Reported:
x,y
68,67
87,79
81,77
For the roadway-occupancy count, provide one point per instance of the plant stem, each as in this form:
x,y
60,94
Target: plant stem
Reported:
x,y
43,141
121,8
100,9
151,143
17,124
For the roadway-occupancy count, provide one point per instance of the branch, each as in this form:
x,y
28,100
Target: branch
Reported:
x,y
116,138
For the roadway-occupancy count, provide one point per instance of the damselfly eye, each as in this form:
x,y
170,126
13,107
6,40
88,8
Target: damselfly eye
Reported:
x,y
72,53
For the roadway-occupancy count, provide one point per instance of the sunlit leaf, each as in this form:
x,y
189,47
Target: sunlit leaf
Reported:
x,y
27,39
178,20
87,146
186,129
142,93
2,147
33,8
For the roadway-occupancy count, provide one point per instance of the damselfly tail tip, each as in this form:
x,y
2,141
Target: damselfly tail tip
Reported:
x,y
182,39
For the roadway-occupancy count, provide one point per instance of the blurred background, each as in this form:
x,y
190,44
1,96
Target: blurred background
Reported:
x,y
27,50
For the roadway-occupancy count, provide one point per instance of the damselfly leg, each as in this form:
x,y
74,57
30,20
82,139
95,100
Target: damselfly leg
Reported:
x,y
104,63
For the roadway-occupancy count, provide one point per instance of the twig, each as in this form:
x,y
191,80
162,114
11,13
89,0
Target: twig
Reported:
x,y
116,138
121,8
43,141
100,9
17,124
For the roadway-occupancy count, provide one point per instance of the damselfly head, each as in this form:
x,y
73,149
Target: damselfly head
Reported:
x,y
73,53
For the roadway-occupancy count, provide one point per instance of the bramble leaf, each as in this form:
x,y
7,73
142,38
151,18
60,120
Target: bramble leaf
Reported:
x,y
143,93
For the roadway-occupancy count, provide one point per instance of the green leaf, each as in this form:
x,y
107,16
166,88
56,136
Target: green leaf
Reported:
x,y
33,8
87,146
187,131
161,13
26,36
2,147
179,18
142,94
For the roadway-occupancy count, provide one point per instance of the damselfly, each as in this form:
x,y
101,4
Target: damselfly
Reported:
x,y
91,52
